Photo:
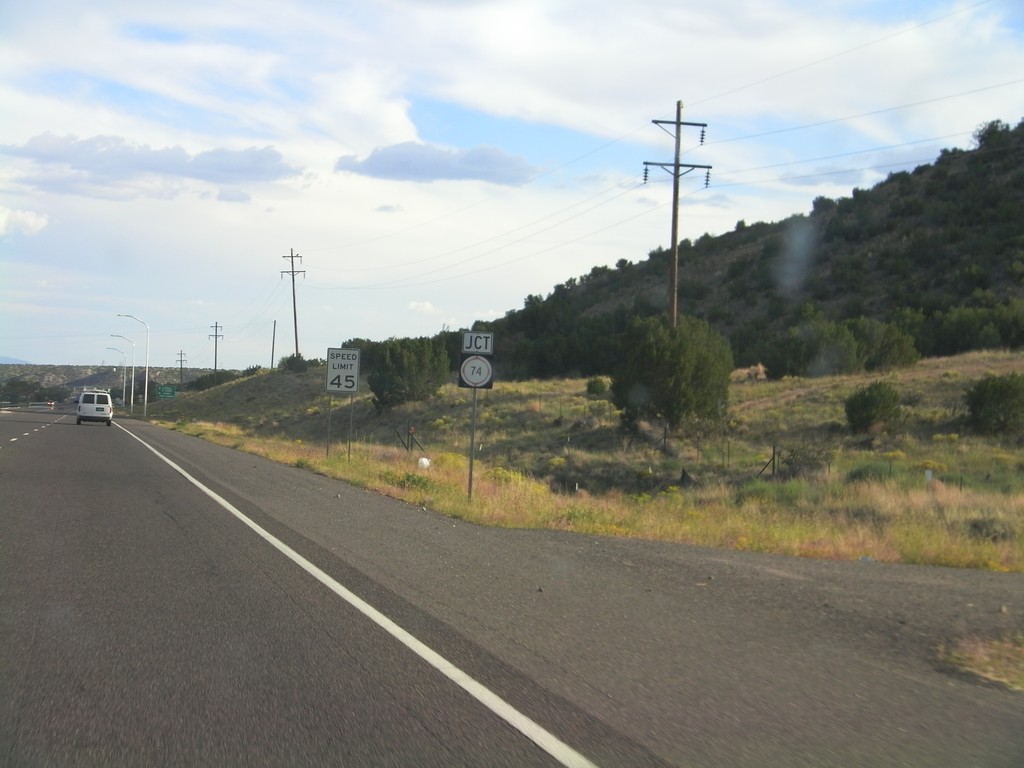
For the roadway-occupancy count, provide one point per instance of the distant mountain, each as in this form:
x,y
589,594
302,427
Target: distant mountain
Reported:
x,y
934,256
102,376
13,361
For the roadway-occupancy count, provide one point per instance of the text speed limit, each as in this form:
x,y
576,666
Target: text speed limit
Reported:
x,y
342,371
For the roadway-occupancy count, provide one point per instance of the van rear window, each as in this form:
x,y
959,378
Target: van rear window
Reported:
x,y
89,399
102,400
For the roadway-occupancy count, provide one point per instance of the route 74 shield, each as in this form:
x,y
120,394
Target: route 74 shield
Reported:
x,y
476,372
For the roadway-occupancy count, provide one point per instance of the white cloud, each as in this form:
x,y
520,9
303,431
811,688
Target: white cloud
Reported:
x,y
423,307
21,222
414,161
68,163
133,125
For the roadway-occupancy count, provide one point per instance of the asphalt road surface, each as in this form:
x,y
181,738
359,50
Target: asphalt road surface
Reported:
x,y
170,602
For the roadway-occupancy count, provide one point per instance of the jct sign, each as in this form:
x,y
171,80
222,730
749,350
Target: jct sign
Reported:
x,y
342,371
478,343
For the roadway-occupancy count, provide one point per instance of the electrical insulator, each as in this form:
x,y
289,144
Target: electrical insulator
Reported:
x,y
707,179
645,174
701,135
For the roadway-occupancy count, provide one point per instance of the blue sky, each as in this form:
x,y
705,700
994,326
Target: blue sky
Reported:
x,y
433,163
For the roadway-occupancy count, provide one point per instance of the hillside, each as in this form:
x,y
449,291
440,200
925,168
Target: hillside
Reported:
x,y
555,431
77,377
937,252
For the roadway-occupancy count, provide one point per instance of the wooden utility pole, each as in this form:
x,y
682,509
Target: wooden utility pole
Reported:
x,y
677,169
295,312
181,368
215,336
273,342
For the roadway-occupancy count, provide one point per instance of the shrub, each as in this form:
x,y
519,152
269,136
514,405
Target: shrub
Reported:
x,y
995,405
672,374
872,407
210,380
295,363
868,473
597,385
408,370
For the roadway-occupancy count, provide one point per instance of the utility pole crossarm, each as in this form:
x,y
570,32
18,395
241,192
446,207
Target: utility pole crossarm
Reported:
x,y
688,166
678,122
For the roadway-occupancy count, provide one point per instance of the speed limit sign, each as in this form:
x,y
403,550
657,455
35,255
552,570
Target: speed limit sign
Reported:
x,y
342,371
476,372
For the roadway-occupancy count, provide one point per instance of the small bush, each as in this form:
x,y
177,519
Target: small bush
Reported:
x,y
876,406
868,473
294,363
413,480
995,405
597,385
804,459
991,529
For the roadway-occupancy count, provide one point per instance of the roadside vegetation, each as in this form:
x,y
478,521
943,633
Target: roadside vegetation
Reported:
x,y
1001,661
781,471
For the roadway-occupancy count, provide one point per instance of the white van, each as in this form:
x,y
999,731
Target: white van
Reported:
x,y
95,406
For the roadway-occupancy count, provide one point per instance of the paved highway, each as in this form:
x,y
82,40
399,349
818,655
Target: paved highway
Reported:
x,y
170,602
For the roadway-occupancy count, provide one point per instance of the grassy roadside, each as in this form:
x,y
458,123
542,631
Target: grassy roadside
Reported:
x,y
1000,661
550,456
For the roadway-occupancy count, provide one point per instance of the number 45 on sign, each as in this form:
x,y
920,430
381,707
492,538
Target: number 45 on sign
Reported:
x,y
342,371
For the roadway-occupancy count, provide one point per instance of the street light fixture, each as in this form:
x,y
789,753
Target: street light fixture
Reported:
x,y
145,393
124,371
131,406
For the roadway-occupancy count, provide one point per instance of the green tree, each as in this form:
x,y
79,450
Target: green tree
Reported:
x,y
995,405
872,407
295,363
815,347
408,370
881,346
671,374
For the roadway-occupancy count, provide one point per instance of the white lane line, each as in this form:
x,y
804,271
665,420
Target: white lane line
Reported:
x,y
544,739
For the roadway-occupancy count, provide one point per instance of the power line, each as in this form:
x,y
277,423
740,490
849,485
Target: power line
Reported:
x,y
402,282
869,114
854,49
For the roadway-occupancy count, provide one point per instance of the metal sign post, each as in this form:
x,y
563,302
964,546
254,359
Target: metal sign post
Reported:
x,y
330,407
351,422
475,372
472,445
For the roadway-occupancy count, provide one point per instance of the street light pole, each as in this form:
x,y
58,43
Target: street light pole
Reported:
x,y
124,372
145,394
131,406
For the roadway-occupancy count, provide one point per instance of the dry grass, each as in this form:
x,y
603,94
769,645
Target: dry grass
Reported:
x,y
1001,661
